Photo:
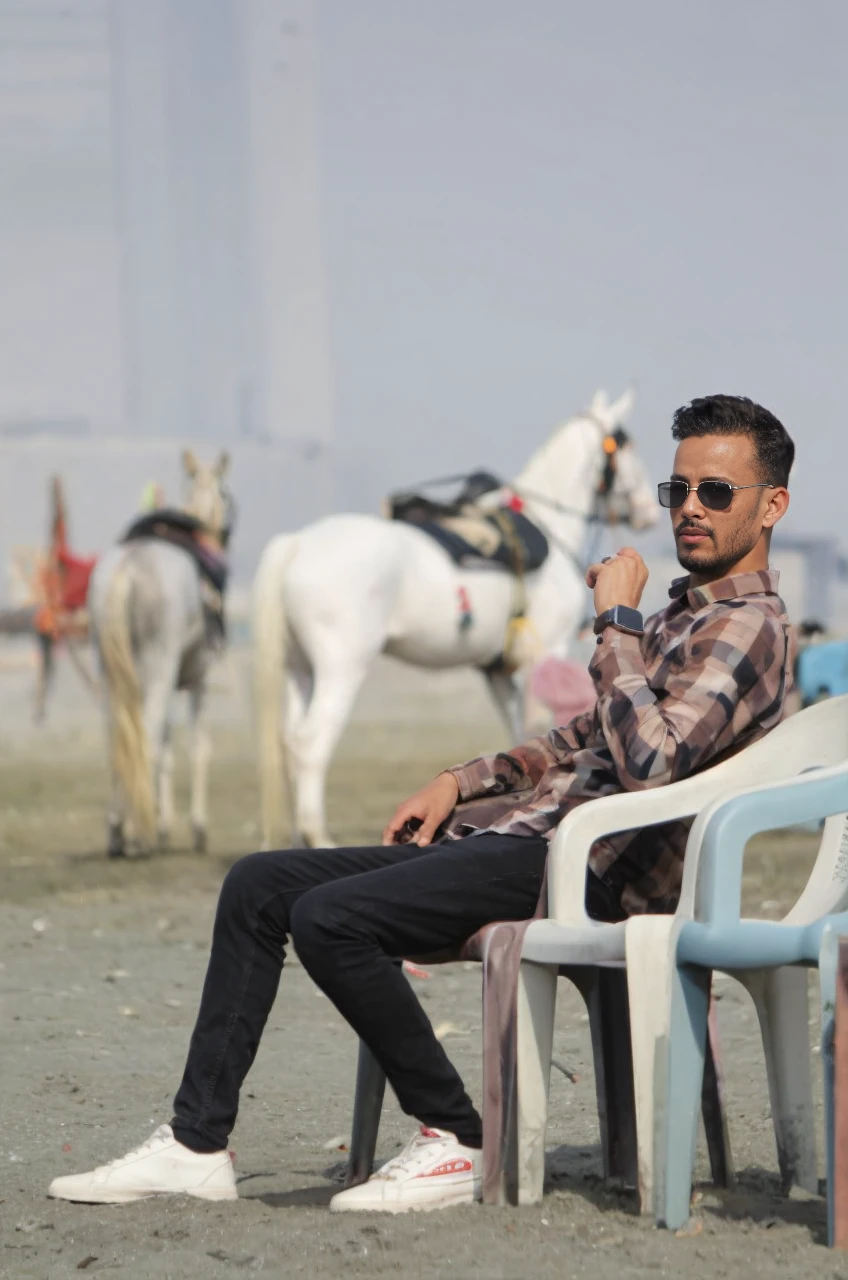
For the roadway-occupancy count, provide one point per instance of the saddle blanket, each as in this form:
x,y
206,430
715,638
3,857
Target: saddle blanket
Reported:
x,y
187,532
506,537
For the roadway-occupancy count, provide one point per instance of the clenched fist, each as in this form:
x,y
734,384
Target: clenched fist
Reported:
x,y
424,812
619,580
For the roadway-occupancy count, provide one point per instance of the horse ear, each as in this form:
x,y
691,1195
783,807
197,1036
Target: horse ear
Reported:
x,y
190,464
621,409
600,403
222,466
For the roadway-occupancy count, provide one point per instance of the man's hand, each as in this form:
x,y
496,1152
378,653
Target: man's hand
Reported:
x,y
619,580
426,810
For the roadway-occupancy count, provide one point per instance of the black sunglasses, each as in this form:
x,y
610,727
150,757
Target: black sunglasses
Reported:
x,y
715,495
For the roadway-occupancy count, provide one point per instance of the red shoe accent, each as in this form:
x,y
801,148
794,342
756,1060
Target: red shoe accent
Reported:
x,y
461,1165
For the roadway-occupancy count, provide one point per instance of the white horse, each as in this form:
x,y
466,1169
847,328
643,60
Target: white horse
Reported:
x,y
148,627
329,599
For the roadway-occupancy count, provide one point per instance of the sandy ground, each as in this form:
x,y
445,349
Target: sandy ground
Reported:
x,y
100,969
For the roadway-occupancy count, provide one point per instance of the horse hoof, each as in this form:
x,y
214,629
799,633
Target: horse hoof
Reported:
x,y
198,841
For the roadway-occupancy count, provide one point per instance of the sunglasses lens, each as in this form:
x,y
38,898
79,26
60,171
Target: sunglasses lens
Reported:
x,y
716,495
672,493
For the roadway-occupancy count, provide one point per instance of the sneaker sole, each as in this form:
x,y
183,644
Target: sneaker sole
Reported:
x,y
445,1201
130,1197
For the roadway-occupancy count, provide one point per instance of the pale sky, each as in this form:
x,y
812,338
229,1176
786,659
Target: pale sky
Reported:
x,y
525,199
522,200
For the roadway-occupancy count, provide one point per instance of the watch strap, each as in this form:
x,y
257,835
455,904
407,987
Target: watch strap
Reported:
x,y
623,618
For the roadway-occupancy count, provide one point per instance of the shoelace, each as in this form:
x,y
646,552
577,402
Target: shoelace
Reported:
x,y
407,1160
157,1139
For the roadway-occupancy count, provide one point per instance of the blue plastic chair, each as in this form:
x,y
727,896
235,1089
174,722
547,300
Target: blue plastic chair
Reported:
x,y
679,954
569,941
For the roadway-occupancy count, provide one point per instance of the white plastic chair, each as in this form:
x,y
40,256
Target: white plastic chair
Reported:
x,y
816,737
681,953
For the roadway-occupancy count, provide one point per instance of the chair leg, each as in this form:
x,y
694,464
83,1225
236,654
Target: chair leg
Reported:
x,y
367,1108
621,1157
605,993
668,1027
780,997
535,1009
837,1199
690,997
712,1107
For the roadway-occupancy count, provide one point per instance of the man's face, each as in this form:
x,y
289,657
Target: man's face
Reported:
x,y
713,542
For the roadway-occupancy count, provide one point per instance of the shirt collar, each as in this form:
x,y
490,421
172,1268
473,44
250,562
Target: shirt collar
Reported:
x,y
756,583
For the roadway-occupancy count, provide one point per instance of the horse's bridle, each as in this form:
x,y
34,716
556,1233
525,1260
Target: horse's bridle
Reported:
x,y
611,444
228,519
230,513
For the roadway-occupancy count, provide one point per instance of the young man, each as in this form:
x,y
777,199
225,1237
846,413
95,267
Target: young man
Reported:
x,y
704,677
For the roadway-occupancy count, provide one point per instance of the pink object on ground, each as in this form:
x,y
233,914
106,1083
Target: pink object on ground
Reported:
x,y
564,686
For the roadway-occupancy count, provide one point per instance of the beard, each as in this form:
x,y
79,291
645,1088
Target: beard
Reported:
x,y
712,558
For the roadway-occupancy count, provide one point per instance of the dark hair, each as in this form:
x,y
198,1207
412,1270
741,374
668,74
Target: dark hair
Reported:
x,y
739,416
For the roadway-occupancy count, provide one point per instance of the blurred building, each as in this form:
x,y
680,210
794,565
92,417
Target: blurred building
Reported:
x,y
60,329
160,237
220,226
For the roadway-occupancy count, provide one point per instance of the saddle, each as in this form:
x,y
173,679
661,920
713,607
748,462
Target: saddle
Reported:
x,y
469,531
189,534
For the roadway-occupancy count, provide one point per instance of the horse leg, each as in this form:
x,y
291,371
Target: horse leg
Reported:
x,y
310,747
116,846
165,789
159,686
201,751
298,687
507,690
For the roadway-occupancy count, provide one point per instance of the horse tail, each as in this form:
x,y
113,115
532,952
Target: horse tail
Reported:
x,y
129,745
269,639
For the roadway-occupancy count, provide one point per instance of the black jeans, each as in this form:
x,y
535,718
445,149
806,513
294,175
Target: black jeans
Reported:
x,y
351,913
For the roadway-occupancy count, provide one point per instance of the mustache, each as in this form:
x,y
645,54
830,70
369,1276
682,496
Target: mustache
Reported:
x,y
689,526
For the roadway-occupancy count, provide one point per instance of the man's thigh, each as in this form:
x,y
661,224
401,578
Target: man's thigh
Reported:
x,y
423,903
283,875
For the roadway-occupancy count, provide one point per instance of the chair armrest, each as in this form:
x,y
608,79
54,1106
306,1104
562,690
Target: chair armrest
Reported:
x,y
714,878
578,831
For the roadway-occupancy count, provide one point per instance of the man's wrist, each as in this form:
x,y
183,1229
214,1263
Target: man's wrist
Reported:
x,y
623,617
455,775
604,604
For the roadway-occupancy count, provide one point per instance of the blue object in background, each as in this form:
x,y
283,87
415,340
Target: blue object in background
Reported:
x,y
822,671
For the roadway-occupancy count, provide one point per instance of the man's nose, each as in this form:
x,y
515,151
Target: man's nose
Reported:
x,y
693,507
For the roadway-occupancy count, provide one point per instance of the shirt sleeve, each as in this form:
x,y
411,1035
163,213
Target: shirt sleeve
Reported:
x,y
518,769
728,676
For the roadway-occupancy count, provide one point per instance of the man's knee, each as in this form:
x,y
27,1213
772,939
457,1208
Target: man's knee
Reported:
x,y
245,884
317,919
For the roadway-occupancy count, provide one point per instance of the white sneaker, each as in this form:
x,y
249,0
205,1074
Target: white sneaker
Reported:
x,y
432,1172
160,1166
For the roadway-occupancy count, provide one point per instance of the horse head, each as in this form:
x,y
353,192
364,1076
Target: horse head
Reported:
x,y
625,492
207,496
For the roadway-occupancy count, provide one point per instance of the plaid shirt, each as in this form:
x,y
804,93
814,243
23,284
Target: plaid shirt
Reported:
x,y
708,677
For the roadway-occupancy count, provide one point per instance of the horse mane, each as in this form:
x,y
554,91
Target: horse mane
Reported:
x,y
562,464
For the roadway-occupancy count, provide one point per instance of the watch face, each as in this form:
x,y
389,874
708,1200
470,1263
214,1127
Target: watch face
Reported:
x,y
627,617
622,616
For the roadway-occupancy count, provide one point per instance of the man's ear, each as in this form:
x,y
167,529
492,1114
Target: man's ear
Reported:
x,y
778,504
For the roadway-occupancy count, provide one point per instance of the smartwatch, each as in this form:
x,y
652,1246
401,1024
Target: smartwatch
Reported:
x,y
622,618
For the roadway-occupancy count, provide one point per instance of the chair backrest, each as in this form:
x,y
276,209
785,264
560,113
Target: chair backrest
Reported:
x,y
813,738
712,874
